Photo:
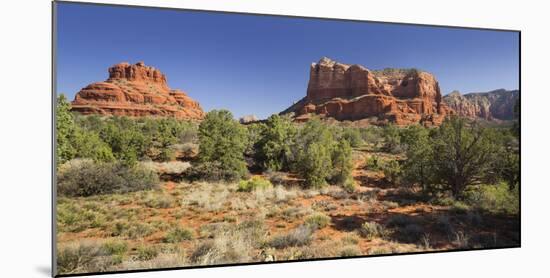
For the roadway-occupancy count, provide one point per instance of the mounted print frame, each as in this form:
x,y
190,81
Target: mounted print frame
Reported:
x,y
191,138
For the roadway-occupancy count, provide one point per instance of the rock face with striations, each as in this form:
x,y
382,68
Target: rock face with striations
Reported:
x,y
493,105
353,92
135,90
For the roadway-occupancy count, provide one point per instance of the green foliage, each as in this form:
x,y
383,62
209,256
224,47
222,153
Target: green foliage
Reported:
x,y
255,183
353,136
146,253
222,143
317,221
87,178
65,128
493,198
276,139
464,152
178,235
88,144
418,167
392,171
373,163
392,139
313,149
370,230
342,163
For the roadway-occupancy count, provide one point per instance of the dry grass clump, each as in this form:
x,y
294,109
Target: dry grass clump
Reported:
x,y
170,167
177,235
207,196
298,237
229,243
370,230
317,221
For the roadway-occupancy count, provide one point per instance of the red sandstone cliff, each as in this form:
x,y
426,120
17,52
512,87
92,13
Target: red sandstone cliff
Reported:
x,y
135,90
353,92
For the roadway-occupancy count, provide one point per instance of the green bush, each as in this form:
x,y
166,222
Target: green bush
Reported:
x,y
373,163
392,171
273,146
177,235
211,171
317,221
65,128
370,230
255,183
493,198
223,143
91,178
342,164
352,136
313,149
464,154
392,139
146,253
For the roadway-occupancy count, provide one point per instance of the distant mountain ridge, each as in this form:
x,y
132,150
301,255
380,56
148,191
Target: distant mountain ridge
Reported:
x,y
492,105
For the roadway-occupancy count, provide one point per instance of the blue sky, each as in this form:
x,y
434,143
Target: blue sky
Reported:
x,y
260,64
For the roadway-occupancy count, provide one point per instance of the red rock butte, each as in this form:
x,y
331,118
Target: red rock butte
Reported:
x,y
353,92
136,90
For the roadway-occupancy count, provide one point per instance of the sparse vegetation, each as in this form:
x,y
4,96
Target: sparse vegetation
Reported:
x,y
131,183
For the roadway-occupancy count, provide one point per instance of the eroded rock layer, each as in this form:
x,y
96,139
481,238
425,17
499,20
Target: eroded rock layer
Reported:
x,y
353,92
493,105
136,90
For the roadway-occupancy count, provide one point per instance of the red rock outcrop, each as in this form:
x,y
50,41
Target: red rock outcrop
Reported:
x,y
353,92
135,90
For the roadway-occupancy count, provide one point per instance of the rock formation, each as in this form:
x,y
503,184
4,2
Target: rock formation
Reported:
x,y
493,105
135,90
353,92
247,119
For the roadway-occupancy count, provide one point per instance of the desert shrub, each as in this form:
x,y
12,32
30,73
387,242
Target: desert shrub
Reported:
x,y
317,221
464,154
352,136
493,198
229,243
273,146
91,178
117,248
74,218
342,164
313,151
418,167
255,183
177,235
315,164
392,171
64,131
370,230
298,237
371,135
159,201
211,171
373,163
276,177
88,144
222,144
350,251
146,253
392,139
85,256
139,230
